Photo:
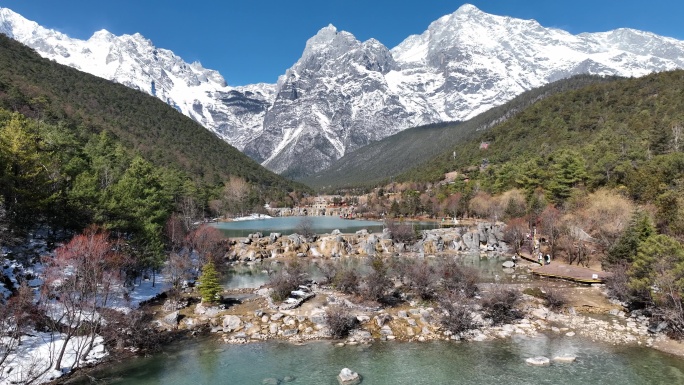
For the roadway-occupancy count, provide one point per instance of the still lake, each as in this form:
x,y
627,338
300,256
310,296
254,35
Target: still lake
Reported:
x,y
207,361
288,225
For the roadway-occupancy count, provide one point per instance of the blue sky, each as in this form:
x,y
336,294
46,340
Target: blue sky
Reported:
x,y
252,41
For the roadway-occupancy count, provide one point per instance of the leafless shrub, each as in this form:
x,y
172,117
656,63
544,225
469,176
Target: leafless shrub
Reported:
x,y
376,283
286,280
132,329
455,278
499,304
400,232
554,299
328,269
282,284
339,321
17,316
457,317
618,283
347,280
423,279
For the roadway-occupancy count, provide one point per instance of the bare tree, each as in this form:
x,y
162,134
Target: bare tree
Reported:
x,y
400,231
179,268
305,228
175,232
209,244
83,276
17,315
551,227
452,205
235,193
574,241
514,233
189,210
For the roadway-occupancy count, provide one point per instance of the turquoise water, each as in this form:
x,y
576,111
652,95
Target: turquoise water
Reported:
x,y
395,363
488,267
254,275
288,225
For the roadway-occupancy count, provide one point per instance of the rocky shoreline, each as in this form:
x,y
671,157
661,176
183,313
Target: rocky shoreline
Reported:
x,y
259,319
251,315
255,317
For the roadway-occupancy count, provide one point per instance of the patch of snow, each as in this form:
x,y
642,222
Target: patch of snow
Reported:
x,y
252,217
37,352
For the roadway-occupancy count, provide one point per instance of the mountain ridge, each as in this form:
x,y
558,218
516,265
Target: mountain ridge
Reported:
x,y
343,94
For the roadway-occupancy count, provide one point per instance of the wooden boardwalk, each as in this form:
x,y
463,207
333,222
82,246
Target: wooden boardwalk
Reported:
x,y
572,273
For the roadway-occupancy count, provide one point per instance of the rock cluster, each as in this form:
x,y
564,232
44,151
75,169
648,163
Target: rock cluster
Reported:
x,y
486,236
412,322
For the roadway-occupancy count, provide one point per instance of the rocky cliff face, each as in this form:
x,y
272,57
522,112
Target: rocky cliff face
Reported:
x,y
334,99
343,93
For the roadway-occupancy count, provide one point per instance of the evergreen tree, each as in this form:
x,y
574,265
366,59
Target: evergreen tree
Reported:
x,y
656,257
625,249
567,172
209,285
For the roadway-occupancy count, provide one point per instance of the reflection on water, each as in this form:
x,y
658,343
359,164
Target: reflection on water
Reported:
x,y
498,362
320,225
255,274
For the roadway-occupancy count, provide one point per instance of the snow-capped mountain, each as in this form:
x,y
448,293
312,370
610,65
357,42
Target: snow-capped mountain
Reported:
x,y
335,98
234,113
343,93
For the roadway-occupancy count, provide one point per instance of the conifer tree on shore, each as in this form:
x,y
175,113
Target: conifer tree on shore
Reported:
x,y
209,285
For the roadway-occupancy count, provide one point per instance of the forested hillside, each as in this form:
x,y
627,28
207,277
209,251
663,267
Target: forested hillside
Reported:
x,y
77,150
598,172
378,162
625,134
39,88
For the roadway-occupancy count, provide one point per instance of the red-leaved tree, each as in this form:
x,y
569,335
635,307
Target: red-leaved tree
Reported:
x,y
83,276
208,243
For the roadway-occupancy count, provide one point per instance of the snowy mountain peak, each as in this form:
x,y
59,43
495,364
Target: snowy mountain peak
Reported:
x,y
468,9
321,39
103,35
16,26
341,94
7,14
329,40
